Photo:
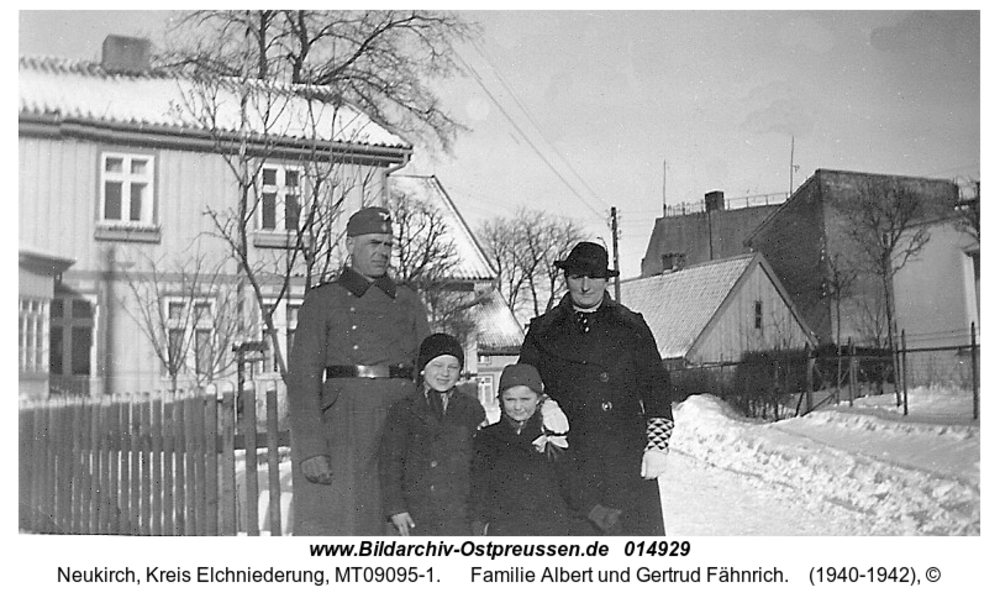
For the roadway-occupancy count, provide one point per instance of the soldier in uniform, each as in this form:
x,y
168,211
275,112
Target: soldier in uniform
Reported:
x,y
351,360
599,360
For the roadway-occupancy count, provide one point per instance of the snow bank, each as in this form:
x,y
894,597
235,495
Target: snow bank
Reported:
x,y
904,478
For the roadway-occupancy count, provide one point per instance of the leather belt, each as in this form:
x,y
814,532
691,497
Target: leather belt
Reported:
x,y
368,371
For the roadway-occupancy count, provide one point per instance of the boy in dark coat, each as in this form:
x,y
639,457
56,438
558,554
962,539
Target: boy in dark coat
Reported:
x,y
426,448
524,478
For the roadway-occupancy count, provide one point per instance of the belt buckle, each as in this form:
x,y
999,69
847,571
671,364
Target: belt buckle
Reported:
x,y
372,371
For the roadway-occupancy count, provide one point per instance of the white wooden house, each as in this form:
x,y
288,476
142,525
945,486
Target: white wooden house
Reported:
x,y
713,312
117,169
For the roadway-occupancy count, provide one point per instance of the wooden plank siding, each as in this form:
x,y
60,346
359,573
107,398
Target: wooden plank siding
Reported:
x,y
58,212
150,464
733,328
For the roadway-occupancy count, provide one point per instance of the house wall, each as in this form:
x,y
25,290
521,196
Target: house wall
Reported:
x,y
733,330
689,235
936,295
792,243
806,235
58,197
862,312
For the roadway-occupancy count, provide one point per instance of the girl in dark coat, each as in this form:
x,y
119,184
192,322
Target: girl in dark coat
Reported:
x,y
524,479
427,448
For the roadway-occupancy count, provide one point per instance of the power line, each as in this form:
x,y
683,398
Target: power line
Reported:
x,y
531,118
475,75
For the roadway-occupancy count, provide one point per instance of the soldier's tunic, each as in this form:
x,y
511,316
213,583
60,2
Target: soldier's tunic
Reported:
x,y
608,381
345,323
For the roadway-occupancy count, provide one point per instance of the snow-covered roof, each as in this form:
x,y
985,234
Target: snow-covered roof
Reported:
x,y
67,90
497,329
678,305
473,264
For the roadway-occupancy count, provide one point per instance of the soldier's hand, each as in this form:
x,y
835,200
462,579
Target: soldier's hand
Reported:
x,y
403,523
317,470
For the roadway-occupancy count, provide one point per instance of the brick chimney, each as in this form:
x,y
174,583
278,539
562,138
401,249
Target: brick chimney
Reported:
x,y
121,54
715,201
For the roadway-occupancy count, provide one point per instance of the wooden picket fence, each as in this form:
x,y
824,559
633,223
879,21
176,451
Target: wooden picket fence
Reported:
x,y
162,463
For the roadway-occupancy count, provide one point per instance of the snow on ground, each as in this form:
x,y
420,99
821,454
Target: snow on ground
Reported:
x,y
845,470
841,471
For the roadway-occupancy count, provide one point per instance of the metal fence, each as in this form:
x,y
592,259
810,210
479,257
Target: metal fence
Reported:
x,y
778,385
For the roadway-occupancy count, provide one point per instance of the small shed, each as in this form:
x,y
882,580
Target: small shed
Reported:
x,y
715,311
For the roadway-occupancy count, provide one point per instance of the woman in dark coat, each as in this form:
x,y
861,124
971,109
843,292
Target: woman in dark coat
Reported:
x,y
599,360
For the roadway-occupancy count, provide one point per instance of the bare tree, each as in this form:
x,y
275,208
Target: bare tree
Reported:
x,y
888,224
838,284
563,233
426,258
523,249
185,310
279,93
500,238
377,60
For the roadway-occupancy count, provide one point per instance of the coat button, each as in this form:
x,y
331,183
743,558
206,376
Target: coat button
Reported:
x,y
606,405
604,377
434,463
432,487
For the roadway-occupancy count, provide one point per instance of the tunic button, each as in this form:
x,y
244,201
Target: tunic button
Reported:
x,y
606,405
355,327
355,347
434,463
432,487
604,377
352,310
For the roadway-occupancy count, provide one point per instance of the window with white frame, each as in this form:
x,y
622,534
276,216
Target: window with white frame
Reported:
x,y
281,198
126,189
190,336
71,336
32,341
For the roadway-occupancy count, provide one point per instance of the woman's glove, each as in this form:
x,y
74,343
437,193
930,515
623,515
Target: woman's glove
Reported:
x,y
654,464
553,418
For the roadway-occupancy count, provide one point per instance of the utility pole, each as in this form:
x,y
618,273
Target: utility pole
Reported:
x,y
614,249
791,169
664,188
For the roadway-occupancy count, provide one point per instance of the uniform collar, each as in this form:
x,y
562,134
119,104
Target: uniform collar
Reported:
x,y
358,285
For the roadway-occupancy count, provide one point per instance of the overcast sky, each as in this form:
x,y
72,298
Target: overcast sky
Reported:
x,y
575,112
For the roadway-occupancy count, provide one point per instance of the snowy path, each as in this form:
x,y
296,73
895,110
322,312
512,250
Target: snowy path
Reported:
x,y
704,500
829,473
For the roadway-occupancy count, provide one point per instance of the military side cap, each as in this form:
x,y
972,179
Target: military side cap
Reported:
x,y
368,221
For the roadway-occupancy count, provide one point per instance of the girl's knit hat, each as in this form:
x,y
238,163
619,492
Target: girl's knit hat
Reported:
x,y
521,374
